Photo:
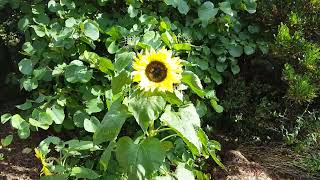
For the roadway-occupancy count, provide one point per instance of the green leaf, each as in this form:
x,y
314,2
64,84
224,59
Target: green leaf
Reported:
x,y
17,121
77,72
111,123
182,47
207,12
24,133
183,173
94,105
193,81
56,112
42,19
23,24
5,118
112,48
201,108
251,6
38,124
91,30
7,140
146,109
77,145
29,84
39,30
221,67
28,48
70,4
140,160
216,106
235,69
248,50
183,7
44,74
167,38
235,50
91,125
123,60
132,11
25,66
185,123
44,119
70,22
82,172
102,63
106,155
119,81
25,106
226,8
79,117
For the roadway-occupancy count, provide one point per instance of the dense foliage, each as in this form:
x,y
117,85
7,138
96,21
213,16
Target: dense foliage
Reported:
x,y
76,66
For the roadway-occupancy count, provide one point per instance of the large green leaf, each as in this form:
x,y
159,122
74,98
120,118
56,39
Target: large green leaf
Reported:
x,y
25,66
183,173
102,63
251,6
122,60
77,72
146,109
185,123
207,12
111,123
193,81
139,161
94,105
91,30
119,81
19,123
82,172
182,5
56,112
226,8
106,155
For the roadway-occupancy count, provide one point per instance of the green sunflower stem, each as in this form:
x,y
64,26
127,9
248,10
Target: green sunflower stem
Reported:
x,y
151,132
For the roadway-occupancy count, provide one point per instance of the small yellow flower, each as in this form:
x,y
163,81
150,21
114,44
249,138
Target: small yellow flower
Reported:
x,y
157,70
45,170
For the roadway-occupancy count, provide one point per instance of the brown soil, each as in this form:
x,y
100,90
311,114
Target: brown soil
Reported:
x,y
272,161
16,164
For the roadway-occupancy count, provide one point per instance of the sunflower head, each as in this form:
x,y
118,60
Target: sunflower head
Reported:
x,y
157,70
45,170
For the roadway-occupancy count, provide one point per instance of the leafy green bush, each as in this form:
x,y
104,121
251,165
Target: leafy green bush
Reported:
x,y
296,44
302,71
77,66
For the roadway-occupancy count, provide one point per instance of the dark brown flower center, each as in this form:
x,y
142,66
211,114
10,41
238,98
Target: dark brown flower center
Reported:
x,y
156,71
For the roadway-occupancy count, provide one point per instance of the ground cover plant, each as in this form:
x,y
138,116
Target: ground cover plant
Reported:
x,y
122,86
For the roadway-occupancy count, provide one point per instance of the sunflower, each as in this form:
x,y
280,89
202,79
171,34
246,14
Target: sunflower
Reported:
x,y
45,170
157,70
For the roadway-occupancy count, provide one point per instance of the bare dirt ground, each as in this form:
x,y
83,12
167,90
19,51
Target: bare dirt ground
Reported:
x,y
16,164
19,165
272,161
